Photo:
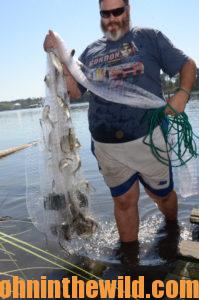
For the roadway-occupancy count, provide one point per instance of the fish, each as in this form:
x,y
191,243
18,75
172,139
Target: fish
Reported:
x,y
47,125
65,107
56,63
64,144
64,202
65,163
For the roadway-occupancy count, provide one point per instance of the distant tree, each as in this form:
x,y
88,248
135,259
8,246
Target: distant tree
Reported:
x,y
169,85
196,86
24,104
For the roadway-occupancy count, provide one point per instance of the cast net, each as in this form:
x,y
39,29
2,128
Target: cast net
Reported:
x,y
60,207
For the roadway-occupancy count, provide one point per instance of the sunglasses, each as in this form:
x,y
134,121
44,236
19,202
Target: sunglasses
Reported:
x,y
115,12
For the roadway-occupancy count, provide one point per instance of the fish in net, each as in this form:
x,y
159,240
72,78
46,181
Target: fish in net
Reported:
x,y
60,208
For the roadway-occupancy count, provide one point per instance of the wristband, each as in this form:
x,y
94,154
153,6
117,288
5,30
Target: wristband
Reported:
x,y
186,92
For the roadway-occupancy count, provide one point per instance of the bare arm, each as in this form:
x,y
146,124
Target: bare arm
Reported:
x,y
187,80
72,86
74,92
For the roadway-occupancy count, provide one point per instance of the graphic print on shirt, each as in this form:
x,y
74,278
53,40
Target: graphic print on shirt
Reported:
x,y
124,63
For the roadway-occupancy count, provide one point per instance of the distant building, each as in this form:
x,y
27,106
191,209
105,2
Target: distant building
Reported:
x,y
197,80
17,105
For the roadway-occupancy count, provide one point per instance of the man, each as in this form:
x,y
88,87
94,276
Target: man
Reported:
x,y
118,130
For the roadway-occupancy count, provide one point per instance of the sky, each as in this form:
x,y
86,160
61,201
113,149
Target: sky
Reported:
x,y
24,24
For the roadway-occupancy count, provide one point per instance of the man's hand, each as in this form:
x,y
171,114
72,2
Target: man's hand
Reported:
x,y
50,41
178,102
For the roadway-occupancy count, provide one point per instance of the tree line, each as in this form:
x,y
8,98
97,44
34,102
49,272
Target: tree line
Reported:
x,y
170,85
21,104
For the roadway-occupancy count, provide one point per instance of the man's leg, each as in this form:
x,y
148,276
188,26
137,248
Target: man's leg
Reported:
x,y
126,214
168,205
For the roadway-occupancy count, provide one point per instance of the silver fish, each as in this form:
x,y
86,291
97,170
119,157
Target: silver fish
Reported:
x,y
63,105
56,63
62,210
64,163
82,224
46,115
64,144
73,141
47,125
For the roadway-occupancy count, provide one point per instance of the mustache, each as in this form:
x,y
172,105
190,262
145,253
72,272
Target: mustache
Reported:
x,y
114,23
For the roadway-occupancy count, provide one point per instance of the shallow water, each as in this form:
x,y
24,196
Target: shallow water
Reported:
x,y
158,241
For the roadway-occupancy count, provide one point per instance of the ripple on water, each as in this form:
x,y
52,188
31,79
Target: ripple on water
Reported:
x,y
158,242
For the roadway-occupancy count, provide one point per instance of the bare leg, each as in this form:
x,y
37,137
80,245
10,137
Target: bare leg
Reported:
x,y
126,214
168,205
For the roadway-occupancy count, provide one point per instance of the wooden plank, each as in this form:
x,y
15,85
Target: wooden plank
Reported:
x,y
194,218
189,249
12,150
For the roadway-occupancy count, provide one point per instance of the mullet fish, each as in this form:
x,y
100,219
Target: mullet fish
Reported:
x,y
64,203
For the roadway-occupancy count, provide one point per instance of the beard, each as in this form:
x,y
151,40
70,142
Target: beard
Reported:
x,y
121,28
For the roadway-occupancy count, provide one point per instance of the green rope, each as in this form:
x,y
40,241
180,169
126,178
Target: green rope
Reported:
x,y
180,140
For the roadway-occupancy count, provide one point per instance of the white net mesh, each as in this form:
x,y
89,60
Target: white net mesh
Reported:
x,y
60,208
105,84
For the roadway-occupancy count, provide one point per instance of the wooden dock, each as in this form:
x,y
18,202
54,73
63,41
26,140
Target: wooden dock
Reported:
x,y
194,218
191,248
187,266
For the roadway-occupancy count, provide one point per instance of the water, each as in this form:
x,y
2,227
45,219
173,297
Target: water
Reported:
x,y
158,242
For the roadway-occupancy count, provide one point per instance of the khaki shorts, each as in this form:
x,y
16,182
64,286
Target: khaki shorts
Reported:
x,y
124,163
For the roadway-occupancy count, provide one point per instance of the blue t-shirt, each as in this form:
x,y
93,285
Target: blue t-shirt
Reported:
x,y
137,57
